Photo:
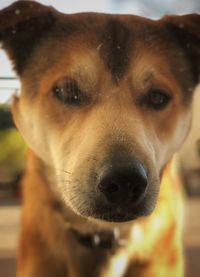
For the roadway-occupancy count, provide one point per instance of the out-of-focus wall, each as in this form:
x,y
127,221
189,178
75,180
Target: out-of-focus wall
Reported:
x,y
189,154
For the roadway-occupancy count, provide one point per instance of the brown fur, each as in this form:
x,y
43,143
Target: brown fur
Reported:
x,y
112,62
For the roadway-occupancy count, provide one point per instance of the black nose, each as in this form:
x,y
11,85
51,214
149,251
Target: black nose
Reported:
x,y
124,184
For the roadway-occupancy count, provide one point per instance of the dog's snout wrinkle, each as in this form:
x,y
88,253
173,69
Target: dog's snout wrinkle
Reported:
x,y
124,185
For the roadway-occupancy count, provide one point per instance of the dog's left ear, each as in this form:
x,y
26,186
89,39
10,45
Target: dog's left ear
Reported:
x,y
185,31
22,26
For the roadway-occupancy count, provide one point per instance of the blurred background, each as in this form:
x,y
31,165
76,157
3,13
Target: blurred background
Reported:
x,y
13,149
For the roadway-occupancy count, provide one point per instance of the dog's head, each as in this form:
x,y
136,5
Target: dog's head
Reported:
x,y
105,101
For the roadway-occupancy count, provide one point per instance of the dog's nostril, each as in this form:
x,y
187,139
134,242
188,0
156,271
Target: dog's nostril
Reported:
x,y
109,188
122,184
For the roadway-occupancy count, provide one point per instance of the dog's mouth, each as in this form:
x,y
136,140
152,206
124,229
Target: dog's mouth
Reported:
x,y
100,209
116,217
121,214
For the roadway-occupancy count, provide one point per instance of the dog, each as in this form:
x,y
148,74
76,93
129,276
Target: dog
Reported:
x,y
105,102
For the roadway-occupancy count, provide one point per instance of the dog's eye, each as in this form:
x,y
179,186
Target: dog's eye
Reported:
x,y
156,99
68,92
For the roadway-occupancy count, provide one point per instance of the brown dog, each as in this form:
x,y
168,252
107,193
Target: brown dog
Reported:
x,y
105,102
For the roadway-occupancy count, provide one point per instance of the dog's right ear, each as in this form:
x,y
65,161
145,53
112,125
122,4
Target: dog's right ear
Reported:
x,y
22,25
185,31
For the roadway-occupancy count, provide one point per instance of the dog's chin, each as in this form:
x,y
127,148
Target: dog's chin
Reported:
x,y
116,217
119,214
109,213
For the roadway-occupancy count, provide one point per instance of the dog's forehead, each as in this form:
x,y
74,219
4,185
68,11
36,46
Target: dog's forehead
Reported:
x,y
112,35
115,39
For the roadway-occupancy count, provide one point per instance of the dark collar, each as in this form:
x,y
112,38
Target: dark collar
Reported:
x,y
101,240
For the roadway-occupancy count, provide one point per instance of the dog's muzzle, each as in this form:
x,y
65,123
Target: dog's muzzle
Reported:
x,y
122,192
119,189
124,184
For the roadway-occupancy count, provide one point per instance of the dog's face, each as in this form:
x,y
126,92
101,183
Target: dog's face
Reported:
x,y
105,101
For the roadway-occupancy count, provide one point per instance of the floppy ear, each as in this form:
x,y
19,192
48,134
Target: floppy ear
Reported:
x,y
22,26
185,31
